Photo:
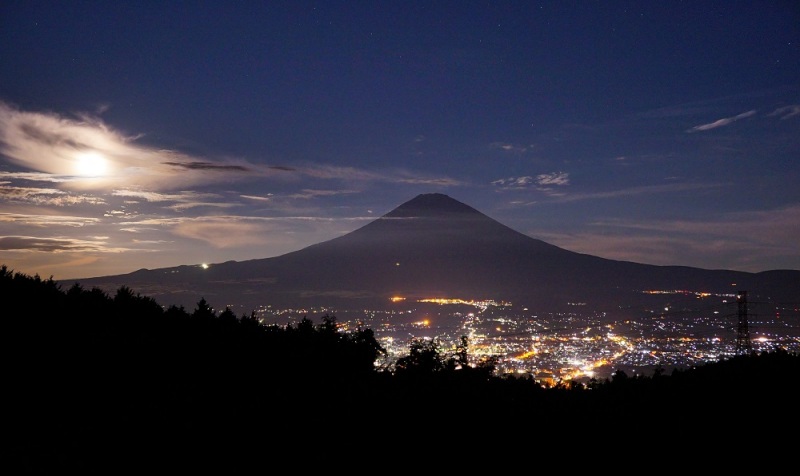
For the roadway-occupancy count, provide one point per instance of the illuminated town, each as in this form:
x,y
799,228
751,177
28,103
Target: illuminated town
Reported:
x,y
557,348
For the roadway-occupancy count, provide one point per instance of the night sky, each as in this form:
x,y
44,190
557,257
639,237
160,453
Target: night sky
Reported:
x,y
153,134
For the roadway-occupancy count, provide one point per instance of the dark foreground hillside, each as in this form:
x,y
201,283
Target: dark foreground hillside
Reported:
x,y
117,384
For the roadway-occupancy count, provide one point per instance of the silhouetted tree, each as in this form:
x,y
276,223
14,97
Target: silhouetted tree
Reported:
x,y
250,322
460,358
424,358
366,350
619,376
203,313
227,317
658,371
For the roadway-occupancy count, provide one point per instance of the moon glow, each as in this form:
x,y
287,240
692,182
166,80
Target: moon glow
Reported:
x,y
91,164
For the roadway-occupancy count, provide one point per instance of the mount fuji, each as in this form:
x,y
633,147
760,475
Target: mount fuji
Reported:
x,y
434,246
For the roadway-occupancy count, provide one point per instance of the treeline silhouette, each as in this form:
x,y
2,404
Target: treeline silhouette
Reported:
x,y
90,378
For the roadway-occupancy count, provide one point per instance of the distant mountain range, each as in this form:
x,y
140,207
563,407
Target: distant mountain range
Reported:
x,y
434,246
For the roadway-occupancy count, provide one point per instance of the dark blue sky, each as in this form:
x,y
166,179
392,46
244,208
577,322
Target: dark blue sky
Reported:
x,y
152,134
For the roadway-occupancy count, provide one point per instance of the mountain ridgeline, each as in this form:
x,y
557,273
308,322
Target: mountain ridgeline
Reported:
x,y
434,246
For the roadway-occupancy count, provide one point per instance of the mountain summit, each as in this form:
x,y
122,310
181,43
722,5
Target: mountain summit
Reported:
x,y
432,205
434,246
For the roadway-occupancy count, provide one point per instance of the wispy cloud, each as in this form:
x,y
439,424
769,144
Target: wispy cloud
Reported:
x,y
47,220
721,122
509,147
183,200
209,166
334,172
160,197
187,205
352,174
747,241
55,245
35,177
221,232
786,112
512,183
775,225
308,193
555,178
541,182
641,190
443,181
46,196
84,152
81,152
282,168
152,242
624,192
230,231
170,221
258,198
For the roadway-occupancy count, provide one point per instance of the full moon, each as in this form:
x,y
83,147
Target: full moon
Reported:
x,y
91,164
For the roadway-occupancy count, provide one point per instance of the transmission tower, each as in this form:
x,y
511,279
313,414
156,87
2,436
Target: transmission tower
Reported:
x,y
743,331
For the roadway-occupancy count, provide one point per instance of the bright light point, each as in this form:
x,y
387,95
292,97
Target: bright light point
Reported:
x,y
762,339
204,266
91,164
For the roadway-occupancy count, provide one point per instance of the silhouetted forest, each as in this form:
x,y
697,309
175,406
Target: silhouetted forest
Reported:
x,y
92,380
